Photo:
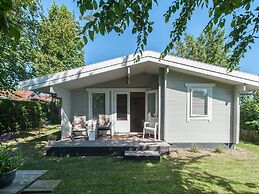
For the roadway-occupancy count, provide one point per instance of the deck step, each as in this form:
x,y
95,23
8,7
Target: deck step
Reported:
x,y
142,155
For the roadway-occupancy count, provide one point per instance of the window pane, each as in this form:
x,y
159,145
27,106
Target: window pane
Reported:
x,y
122,107
199,101
151,104
98,104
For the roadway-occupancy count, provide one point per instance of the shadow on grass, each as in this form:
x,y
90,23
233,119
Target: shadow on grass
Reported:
x,y
115,175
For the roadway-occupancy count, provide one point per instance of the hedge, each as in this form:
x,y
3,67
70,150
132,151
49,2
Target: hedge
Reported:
x,y
21,115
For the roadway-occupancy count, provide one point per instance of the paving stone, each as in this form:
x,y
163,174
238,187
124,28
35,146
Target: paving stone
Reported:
x,y
42,186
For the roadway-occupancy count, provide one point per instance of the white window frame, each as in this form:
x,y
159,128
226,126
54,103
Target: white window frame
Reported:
x,y
90,101
190,87
146,102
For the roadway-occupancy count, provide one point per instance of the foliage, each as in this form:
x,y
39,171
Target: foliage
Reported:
x,y
219,150
21,115
7,27
105,16
207,48
9,159
16,57
195,148
59,46
249,112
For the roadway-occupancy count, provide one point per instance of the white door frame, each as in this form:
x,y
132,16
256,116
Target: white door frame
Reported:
x,y
123,125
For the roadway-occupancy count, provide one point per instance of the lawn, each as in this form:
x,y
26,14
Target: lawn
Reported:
x,y
181,172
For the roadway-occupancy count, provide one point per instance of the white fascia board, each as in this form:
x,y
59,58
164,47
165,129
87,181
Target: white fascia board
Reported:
x,y
148,56
206,69
77,73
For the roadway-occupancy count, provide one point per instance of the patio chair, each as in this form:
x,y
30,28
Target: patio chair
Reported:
x,y
151,127
103,124
79,127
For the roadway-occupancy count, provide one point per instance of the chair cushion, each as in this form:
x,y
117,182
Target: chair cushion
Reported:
x,y
79,123
104,120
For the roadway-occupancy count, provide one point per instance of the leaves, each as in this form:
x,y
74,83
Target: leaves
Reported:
x,y
118,15
59,45
18,42
207,48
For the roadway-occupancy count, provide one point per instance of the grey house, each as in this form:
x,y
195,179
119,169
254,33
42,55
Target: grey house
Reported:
x,y
194,102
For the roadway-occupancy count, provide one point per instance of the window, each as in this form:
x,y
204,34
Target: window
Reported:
x,y
151,106
122,106
199,101
98,104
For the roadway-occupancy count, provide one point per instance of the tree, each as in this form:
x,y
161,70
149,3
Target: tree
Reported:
x,y
207,48
6,27
16,57
59,45
106,16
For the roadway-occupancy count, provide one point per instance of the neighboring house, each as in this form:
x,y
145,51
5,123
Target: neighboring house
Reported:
x,y
23,95
195,102
30,95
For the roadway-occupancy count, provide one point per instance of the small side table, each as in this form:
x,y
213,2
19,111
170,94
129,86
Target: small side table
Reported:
x,y
91,135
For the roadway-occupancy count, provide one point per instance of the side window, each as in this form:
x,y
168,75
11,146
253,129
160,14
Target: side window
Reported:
x,y
199,101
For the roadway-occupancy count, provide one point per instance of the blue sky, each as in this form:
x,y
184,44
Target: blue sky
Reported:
x,y
112,45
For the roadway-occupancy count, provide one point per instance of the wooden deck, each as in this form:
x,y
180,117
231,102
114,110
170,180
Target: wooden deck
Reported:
x,y
105,147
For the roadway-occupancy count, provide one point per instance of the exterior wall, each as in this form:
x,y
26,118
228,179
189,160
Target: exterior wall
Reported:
x,y
79,100
142,80
65,94
179,130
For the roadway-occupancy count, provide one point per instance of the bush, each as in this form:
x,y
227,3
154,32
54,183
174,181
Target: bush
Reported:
x,y
195,148
249,114
219,149
21,115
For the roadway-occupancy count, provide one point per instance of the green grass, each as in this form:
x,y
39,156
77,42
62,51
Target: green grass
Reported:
x,y
181,172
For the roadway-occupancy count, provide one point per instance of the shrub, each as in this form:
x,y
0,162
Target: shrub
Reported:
x,y
21,115
10,160
194,148
219,150
249,114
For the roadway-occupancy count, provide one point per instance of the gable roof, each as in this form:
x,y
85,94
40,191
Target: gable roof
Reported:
x,y
22,94
172,62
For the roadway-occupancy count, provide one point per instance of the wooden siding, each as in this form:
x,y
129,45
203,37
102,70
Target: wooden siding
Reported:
x,y
179,130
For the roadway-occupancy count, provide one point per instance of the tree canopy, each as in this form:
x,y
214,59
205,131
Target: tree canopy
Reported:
x,y
59,45
46,45
16,57
207,48
105,16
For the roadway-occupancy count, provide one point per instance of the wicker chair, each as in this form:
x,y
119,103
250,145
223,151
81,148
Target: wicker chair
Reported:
x,y
103,124
79,127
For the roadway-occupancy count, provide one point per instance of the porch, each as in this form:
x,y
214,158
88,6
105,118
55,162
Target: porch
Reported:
x,y
105,147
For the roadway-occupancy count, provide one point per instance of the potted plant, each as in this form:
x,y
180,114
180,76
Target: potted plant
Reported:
x,y
51,139
9,161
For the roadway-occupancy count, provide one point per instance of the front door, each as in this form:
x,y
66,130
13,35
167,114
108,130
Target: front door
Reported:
x,y
137,111
122,112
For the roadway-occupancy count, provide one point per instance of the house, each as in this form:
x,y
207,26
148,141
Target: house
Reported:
x,y
194,102
30,95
